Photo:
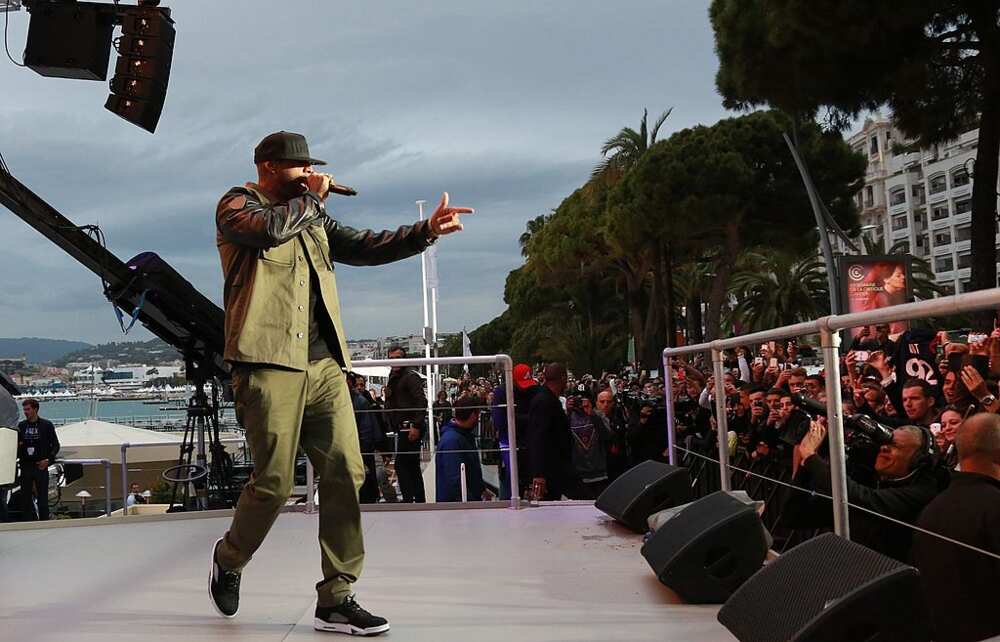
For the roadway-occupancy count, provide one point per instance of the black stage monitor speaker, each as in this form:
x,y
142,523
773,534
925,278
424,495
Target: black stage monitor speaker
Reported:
x,y
644,490
709,549
829,590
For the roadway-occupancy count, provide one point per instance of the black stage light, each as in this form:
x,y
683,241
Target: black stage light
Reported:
x,y
69,39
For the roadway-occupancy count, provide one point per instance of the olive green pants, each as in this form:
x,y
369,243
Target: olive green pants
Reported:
x,y
281,409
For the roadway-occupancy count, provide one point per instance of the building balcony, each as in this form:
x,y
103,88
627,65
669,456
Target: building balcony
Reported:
x,y
961,190
938,198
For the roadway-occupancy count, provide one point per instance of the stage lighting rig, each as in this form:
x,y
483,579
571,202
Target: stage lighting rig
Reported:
x,y
68,39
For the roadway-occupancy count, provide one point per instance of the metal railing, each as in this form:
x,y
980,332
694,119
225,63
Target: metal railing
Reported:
x,y
828,328
107,477
502,360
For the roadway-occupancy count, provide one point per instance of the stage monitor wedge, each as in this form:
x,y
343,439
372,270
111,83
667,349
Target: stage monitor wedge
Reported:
x,y
829,589
643,490
708,549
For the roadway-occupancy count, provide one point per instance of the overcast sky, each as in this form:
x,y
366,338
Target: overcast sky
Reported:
x,y
505,105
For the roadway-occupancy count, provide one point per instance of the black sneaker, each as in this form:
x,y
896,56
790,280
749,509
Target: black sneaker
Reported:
x,y
349,618
223,587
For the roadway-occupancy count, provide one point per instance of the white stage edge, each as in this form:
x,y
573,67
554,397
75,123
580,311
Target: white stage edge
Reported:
x,y
542,573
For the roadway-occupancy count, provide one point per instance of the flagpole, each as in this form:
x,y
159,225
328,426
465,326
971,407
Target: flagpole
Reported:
x,y
427,345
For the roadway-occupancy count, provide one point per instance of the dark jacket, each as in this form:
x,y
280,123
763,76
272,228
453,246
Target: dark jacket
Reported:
x,y
549,442
265,247
448,465
649,440
37,441
405,390
522,407
591,436
960,585
901,499
369,433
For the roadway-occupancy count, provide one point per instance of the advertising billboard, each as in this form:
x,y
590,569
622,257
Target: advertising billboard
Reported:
x,y
873,282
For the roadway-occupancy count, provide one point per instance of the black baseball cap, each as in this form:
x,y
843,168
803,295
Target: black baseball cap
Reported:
x,y
284,146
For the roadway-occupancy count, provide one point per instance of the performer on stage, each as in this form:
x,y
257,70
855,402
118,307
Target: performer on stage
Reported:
x,y
287,346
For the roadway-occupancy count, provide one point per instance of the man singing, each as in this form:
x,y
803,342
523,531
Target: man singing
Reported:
x,y
288,350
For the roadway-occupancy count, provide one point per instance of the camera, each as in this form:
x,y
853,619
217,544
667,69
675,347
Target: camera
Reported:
x,y
862,427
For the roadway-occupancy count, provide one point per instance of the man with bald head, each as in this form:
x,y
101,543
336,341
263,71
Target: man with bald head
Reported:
x,y
960,584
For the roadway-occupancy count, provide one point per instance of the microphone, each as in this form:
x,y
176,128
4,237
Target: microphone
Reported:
x,y
343,190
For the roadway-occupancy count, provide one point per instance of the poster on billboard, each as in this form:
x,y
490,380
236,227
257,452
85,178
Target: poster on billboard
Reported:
x,y
873,282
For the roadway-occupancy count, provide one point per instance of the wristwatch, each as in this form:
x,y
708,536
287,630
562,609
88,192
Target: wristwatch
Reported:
x,y
988,400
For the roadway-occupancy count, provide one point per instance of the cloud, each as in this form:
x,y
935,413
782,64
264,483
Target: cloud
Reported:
x,y
503,105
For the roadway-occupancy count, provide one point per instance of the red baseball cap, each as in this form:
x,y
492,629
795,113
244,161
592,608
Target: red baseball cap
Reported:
x,y
522,376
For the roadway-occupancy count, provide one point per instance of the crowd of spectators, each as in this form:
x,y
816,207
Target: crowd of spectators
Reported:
x,y
922,431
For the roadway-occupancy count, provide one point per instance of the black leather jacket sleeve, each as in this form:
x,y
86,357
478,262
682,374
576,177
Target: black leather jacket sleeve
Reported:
x,y
243,219
365,247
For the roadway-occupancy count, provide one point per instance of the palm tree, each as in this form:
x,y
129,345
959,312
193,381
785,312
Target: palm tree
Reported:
x,y
773,289
532,228
623,151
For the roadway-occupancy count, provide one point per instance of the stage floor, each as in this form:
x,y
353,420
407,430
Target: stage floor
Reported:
x,y
549,573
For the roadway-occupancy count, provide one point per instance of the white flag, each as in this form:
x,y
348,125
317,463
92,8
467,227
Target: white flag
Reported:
x,y
466,347
432,267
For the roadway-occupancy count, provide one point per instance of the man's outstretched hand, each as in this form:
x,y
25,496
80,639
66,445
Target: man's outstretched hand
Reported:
x,y
445,219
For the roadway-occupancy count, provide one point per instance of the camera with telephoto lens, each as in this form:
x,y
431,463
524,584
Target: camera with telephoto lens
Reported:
x,y
862,427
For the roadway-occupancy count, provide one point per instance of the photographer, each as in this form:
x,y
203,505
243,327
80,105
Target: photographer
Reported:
x,y
648,435
907,480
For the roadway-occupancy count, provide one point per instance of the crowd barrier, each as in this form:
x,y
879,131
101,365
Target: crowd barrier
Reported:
x,y
828,329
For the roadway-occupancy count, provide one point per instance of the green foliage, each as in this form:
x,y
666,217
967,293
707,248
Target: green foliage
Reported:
x,y
160,493
717,190
934,64
623,151
665,222
774,288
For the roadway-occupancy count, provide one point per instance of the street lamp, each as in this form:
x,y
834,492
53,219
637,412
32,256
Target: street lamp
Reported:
x,y
84,496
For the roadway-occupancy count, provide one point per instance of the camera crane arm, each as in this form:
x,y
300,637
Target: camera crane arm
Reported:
x,y
168,305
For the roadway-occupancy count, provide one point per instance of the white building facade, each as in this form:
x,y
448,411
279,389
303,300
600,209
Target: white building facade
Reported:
x,y
921,200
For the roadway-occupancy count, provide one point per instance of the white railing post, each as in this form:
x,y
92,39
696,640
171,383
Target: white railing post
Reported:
x,y
310,488
830,342
668,394
721,419
124,448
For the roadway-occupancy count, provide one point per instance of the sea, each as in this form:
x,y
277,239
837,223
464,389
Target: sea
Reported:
x,y
130,412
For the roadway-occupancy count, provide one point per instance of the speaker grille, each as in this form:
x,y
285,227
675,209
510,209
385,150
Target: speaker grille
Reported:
x,y
812,580
708,549
644,489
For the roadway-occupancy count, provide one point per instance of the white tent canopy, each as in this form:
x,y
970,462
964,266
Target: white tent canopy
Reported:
x,y
370,371
95,439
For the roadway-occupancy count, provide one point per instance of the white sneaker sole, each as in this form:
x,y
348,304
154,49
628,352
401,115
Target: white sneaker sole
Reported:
x,y
348,629
211,573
